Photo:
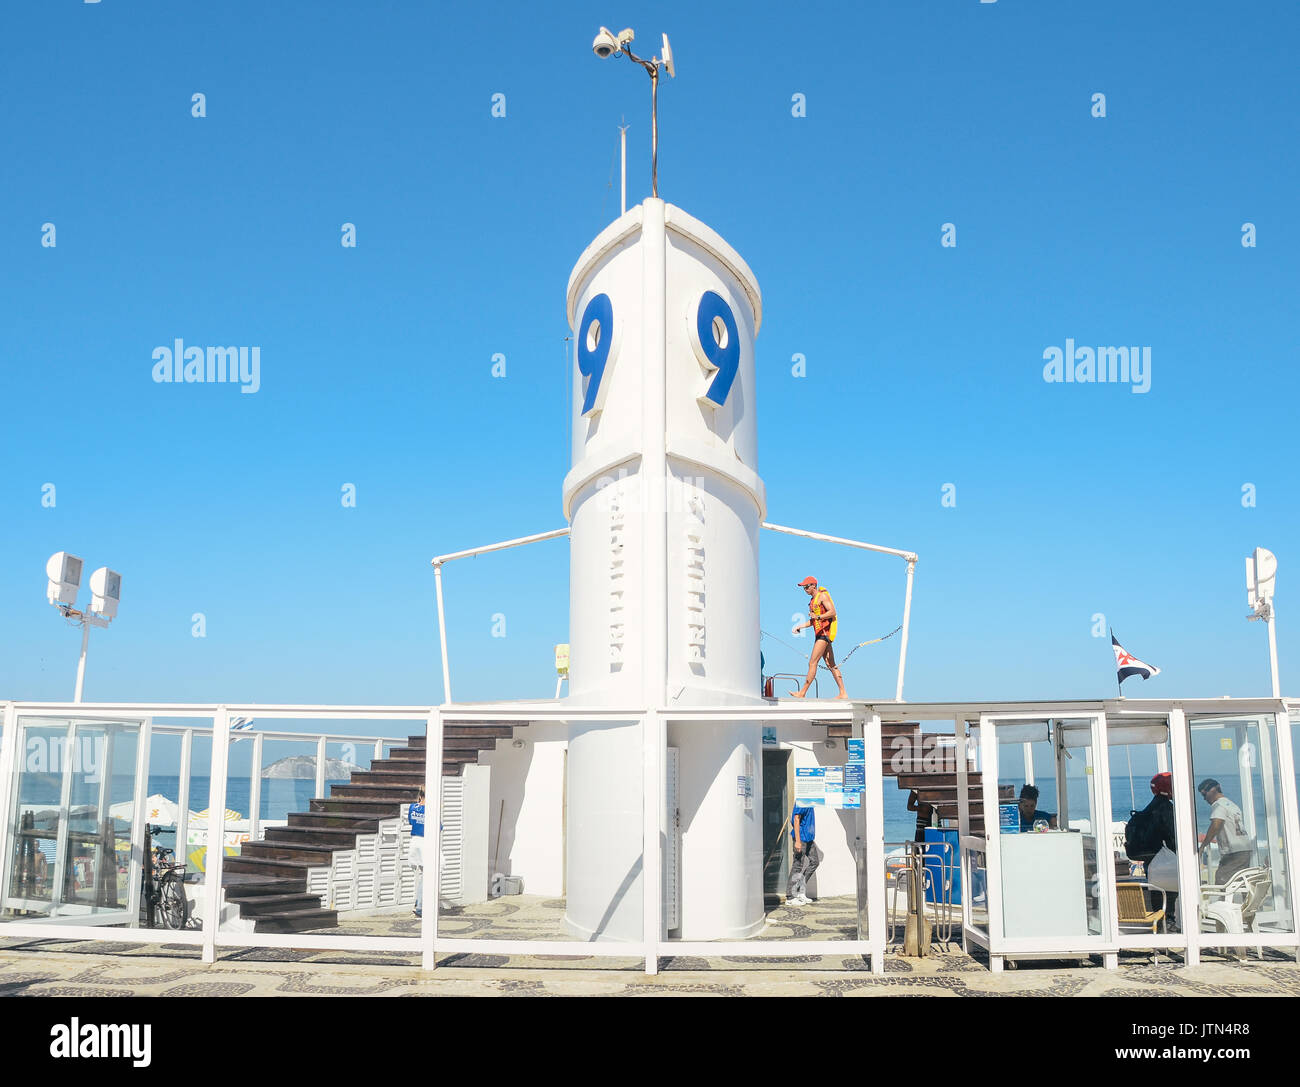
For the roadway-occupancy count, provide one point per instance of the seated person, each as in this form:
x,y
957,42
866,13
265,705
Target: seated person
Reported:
x,y
1029,813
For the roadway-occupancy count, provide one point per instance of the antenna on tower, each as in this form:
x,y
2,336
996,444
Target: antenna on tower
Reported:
x,y
622,134
608,45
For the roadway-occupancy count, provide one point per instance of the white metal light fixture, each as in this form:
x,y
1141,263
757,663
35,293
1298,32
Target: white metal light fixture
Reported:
x,y
606,45
106,591
64,575
1261,581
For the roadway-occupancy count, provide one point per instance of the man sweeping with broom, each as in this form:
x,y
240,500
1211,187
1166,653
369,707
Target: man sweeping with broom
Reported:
x,y
824,621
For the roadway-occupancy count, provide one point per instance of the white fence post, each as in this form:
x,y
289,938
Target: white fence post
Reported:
x,y
8,774
1189,880
653,741
320,766
216,831
255,790
431,873
875,812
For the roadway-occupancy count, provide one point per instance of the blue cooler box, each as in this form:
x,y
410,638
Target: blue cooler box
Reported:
x,y
942,864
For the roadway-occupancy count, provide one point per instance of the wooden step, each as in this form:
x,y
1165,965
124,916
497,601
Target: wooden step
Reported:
x,y
270,866
297,921
401,794
405,754
356,807
470,743
261,905
331,837
244,885
364,823
318,855
388,777
974,782
945,796
913,781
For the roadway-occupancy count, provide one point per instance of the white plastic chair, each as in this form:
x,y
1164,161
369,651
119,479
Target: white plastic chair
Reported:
x,y
1232,907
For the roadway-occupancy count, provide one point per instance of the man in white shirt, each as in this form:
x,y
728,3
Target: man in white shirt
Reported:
x,y
1228,829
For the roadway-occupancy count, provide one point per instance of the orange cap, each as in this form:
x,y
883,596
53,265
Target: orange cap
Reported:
x,y
807,581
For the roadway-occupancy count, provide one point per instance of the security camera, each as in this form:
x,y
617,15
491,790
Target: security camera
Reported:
x,y
605,45
626,37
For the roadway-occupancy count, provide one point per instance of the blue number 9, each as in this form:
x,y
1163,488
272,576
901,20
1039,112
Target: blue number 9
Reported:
x,y
719,342
595,337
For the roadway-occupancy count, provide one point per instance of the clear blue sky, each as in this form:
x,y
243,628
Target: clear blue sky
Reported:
x,y
924,363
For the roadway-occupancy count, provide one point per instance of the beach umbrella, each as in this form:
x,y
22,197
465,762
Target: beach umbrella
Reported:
x,y
157,809
206,813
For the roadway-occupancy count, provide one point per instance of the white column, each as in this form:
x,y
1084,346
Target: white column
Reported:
x,y
1290,815
1189,887
963,822
183,801
873,801
216,831
255,790
432,892
320,766
993,838
654,740
140,797
8,773
1108,906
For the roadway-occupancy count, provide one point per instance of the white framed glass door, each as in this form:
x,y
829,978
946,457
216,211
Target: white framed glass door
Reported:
x,y
72,821
1046,790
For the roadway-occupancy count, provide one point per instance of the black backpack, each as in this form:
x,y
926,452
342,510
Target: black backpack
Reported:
x,y
1142,838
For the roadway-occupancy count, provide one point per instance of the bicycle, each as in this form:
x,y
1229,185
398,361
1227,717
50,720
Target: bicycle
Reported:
x,y
163,885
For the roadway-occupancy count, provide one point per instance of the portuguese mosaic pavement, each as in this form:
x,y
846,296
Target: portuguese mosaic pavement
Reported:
x,y
43,967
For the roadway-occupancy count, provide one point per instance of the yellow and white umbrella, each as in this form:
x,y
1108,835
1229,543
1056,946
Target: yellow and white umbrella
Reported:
x,y
157,809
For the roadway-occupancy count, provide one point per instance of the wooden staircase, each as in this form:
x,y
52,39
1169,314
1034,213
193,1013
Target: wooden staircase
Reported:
x,y
917,761
268,880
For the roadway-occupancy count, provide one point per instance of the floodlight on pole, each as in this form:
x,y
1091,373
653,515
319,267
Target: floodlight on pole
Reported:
x,y
63,572
607,44
1261,582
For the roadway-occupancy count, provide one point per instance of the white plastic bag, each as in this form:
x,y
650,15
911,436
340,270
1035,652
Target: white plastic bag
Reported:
x,y
1162,870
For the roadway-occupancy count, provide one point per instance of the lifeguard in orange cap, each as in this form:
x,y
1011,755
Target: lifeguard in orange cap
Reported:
x,y
825,623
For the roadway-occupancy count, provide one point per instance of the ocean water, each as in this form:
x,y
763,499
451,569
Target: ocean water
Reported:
x,y
280,796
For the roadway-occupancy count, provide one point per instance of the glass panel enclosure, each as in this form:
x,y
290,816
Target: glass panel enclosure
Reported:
x,y
1053,834
1242,860
71,820
1139,750
974,862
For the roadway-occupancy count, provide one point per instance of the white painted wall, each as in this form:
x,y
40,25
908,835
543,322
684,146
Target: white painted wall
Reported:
x,y
836,829
474,878
529,781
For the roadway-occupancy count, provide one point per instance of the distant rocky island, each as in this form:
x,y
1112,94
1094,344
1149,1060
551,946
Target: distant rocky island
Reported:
x,y
304,766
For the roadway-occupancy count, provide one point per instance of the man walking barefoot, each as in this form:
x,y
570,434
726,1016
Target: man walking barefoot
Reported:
x,y
824,621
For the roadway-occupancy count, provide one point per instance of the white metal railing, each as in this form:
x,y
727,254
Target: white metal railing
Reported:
x,y
429,942
866,720
910,557
143,715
